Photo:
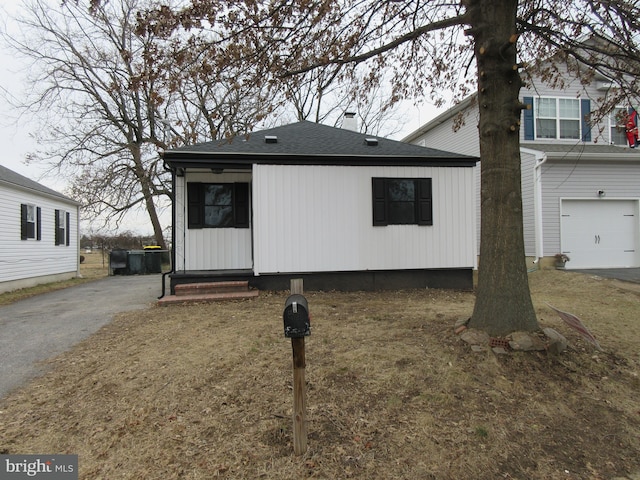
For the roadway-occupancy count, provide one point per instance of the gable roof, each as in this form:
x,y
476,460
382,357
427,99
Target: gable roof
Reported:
x,y
443,117
310,143
14,179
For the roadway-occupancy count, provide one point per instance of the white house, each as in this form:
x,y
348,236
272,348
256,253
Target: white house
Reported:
x,y
580,181
340,209
38,233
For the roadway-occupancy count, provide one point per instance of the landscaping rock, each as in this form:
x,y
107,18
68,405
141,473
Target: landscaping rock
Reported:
x,y
461,322
557,342
475,337
526,342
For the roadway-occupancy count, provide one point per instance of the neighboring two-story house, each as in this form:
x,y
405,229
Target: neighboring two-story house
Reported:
x,y
580,181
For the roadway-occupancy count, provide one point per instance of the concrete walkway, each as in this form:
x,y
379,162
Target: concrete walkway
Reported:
x,y
40,327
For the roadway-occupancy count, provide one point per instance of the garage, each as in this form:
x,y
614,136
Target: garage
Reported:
x,y
600,233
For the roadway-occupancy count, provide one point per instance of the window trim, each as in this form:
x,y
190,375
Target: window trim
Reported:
x,y
423,203
240,205
30,229
530,119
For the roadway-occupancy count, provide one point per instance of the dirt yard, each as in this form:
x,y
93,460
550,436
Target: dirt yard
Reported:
x,y
205,391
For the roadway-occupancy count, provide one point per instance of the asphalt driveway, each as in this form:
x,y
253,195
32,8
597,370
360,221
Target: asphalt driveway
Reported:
x,y
626,274
40,327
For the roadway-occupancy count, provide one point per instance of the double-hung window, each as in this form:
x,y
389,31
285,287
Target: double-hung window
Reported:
x,y
402,201
557,119
30,222
218,205
618,126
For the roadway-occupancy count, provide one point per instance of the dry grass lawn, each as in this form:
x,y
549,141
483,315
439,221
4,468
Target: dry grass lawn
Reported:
x,y
205,391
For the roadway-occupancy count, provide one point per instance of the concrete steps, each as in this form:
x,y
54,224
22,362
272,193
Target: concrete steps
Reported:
x,y
209,292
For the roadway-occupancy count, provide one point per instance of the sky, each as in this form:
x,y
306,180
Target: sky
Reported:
x,y
17,143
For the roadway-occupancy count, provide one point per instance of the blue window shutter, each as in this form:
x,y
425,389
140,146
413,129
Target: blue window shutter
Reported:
x,y
528,119
585,110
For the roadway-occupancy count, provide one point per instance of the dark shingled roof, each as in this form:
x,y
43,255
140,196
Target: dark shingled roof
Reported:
x,y
311,143
13,178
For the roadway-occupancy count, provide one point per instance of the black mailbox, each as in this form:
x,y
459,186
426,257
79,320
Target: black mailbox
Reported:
x,y
296,317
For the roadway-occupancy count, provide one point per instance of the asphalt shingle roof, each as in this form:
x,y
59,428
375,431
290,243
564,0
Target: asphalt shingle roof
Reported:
x,y
10,177
306,140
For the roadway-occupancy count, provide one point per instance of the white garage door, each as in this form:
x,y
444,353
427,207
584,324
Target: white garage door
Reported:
x,y
600,233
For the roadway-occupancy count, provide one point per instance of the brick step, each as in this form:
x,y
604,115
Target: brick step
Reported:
x,y
207,297
206,288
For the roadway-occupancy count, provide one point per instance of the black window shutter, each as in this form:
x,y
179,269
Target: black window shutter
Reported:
x,y
380,217
23,222
68,229
424,202
241,205
39,223
57,226
195,205
585,110
528,119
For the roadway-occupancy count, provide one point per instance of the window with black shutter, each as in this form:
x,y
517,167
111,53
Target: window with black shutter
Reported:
x,y
402,201
62,230
30,222
218,205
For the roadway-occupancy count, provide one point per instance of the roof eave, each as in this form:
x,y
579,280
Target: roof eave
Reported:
x,y
243,160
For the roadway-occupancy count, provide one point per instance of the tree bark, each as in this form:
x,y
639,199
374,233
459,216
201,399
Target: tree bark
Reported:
x,y
145,188
503,302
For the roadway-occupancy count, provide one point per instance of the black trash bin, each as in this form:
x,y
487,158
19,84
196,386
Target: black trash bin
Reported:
x,y
118,262
153,261
135,262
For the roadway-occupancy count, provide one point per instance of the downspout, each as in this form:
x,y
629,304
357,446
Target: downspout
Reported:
x,y
173,229
541,159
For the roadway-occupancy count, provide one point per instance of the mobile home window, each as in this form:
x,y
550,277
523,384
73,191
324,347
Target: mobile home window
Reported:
x,y
402,201
30,217
218,205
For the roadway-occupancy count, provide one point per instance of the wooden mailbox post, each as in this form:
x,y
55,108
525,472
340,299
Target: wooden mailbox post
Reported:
x,y
296,327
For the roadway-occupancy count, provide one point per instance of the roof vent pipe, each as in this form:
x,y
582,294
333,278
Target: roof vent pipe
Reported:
x,y
349,121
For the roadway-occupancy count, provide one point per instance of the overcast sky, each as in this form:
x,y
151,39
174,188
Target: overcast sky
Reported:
x,y
14,132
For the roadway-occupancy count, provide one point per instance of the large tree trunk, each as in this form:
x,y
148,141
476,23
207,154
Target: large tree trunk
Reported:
x,y
503,302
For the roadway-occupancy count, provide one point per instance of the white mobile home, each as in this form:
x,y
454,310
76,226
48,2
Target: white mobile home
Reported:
x,y
340,209
38,233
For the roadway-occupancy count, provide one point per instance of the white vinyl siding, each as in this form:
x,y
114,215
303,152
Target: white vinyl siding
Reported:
x,y
29,262
319,219
210,248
